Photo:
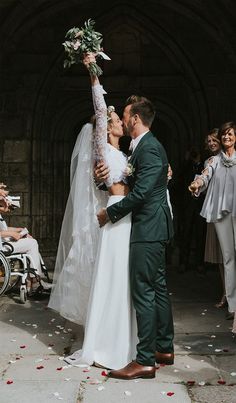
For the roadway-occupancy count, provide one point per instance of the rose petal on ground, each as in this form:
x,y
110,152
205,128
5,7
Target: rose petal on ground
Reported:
x,y
213,336
170,393
104,373
176,370
67,379
225,350
12,362
40,367
127,393
218,350
191,382
233,374
202,383
187,366
221,382
210,345
188,347
100,388
9,382
34,337
23,346
50,345
59,368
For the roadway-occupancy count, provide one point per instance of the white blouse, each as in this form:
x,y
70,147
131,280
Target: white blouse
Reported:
x,y
219,177
103,151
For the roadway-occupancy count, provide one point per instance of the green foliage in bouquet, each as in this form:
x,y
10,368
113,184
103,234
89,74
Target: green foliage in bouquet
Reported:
x,y
79,41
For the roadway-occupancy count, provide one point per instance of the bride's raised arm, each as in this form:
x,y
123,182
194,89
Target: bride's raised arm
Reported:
x,y
100,109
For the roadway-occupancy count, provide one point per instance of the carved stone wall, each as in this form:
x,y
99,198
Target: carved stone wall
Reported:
x,y
179,54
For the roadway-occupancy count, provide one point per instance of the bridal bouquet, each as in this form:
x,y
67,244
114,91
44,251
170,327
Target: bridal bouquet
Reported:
x,y
79,41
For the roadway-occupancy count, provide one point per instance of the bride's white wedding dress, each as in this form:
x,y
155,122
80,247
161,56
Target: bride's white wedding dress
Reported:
x,y
110,328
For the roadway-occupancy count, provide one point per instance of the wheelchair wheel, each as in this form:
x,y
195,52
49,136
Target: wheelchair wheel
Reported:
x,y
23,295
5,273
16,266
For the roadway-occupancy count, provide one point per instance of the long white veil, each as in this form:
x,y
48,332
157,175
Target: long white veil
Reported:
x,y
79,234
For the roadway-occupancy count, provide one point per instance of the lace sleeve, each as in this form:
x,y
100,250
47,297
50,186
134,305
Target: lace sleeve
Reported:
x,y
100,140
207,173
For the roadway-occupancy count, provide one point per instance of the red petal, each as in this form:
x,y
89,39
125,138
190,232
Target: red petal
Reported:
x,y
88,377
104,373
51,345
22,346
221,382
170,393
40,367
17,358
191,382
9,382
225,350
59,369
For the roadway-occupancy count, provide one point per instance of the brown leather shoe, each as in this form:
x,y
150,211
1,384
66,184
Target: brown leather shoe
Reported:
x,y
133,370
164,358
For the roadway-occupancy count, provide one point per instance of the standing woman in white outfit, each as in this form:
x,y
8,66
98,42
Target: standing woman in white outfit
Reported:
x,y
108,336
219,206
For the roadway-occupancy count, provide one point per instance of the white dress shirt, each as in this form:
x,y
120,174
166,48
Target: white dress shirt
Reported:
x,y
134,142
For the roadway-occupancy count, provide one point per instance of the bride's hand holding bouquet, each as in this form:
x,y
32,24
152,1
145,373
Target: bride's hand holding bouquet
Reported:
x,y
84,41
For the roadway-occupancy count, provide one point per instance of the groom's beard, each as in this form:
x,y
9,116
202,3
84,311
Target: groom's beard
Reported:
x,y
127,129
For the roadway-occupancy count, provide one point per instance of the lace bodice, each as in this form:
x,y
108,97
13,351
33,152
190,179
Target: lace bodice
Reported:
x,y
103,151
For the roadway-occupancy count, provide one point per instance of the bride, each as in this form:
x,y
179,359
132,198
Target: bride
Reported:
x,y
110,335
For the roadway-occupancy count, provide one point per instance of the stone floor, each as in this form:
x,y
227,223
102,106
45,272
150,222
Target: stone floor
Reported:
x,y
34,339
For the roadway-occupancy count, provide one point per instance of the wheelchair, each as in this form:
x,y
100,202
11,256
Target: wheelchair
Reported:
x,y
16,269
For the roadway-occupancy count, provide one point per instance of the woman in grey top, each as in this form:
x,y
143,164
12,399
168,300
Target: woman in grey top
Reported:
x,y
219,206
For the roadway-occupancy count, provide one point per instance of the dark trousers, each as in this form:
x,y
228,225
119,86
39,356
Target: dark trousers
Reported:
x,y
151,300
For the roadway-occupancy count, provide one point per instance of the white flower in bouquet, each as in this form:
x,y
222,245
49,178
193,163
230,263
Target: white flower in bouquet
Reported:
x,y
84,40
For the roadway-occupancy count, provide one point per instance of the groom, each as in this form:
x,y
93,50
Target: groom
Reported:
x,y
151,230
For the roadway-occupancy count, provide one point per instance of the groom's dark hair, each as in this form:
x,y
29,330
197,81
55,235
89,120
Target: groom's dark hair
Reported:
x,y
142,107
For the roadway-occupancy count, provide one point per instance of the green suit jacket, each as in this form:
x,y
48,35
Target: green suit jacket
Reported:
x,y
151,219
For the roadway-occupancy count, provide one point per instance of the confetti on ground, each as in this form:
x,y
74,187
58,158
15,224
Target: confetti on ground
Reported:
x,y
188,347
233,374
34,337
218,350
202,383
128,393
100,388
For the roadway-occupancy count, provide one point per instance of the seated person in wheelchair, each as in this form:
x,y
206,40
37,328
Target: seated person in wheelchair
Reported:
x,y
22,242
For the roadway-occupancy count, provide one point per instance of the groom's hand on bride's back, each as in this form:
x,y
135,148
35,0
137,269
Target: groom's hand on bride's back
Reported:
x,y
102,217
101,172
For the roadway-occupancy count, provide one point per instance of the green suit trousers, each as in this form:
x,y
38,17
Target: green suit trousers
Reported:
x,y
151,300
